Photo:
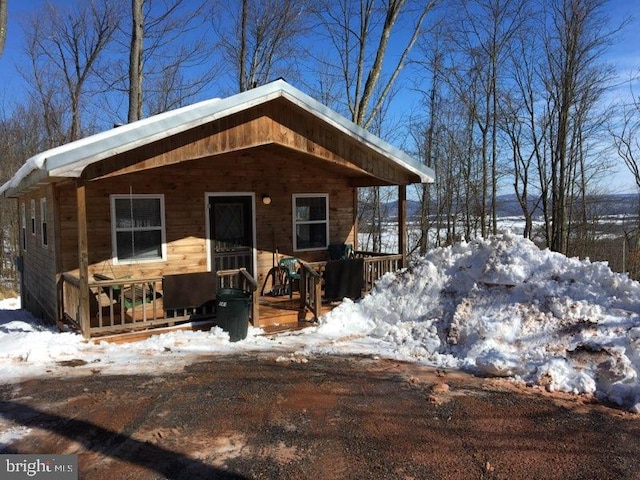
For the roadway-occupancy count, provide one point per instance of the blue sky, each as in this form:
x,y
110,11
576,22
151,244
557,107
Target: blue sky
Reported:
x,y
624,55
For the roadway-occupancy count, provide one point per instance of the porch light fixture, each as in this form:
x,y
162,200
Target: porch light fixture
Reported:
x,y
266,199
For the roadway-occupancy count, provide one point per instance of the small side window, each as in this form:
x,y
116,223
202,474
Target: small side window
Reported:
x,y
23,224
43,222
33,217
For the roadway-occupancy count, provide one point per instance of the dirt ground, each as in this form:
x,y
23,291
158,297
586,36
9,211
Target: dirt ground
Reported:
x,y
254,417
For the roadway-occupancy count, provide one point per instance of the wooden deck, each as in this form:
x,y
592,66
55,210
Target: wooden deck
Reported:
x,y
273,311
284,311
277,314
116,306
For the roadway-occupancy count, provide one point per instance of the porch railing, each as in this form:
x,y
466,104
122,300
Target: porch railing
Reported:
x,y
118,305
378,264
240,278
69,299
310,290
375,266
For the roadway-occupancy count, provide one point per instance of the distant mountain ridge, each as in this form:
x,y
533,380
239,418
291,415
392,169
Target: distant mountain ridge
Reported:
x,y
508,206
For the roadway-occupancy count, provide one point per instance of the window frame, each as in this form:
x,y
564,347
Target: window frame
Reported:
x,y
114,230
295,222
43,222
33,216
23,223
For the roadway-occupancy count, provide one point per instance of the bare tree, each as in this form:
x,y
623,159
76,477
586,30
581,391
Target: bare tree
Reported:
x,y
22,135
432,53
173,66
524,125
167,47
483,32
3,24
575,41
360,32
260,39
65,47
626,138
135,61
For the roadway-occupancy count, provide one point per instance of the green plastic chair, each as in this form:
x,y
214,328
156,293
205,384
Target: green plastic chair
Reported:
x,y
130,296
291,265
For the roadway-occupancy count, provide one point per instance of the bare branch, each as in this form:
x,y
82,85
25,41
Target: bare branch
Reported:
x,y
3,24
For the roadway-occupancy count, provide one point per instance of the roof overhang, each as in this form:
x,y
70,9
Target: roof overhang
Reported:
x,y
70,160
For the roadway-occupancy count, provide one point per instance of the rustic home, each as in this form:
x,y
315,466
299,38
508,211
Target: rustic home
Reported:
x,y
139,226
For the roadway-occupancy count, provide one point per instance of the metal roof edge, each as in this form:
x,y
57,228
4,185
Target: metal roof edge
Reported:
x,y
426,174
71,159
164,125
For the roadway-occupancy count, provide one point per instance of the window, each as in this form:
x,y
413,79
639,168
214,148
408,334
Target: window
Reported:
x,y
138,233
43,221
23,222
310,221
33,217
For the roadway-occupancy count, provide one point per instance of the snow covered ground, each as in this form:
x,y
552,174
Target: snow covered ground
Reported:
x,y
497,307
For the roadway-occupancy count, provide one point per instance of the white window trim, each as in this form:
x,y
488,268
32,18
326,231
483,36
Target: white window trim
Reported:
x,y
33,217
114,254
294,197
44,223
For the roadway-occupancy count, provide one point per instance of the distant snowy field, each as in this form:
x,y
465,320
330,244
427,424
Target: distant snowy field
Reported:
x,y
496,307
606,227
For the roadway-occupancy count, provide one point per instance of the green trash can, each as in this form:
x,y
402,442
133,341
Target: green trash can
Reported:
x,y
232,312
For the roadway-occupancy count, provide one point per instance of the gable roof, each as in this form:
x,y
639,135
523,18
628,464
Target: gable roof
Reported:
x,y
69,160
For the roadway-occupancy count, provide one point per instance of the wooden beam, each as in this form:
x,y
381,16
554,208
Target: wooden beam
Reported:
x,y
272,126
83,259
355,219
402,223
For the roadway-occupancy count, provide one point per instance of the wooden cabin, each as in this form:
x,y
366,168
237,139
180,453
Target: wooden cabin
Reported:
x,y
139,226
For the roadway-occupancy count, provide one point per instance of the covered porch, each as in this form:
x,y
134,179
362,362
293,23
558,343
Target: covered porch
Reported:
x,y
141,226
117,306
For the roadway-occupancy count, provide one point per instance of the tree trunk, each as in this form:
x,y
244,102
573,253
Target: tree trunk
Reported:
x,y
135,61
3,24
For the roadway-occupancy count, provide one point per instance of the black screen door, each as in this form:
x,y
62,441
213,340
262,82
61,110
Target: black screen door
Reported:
x,y
231,232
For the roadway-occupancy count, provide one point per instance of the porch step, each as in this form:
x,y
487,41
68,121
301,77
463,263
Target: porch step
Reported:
x,y
286,327
127,337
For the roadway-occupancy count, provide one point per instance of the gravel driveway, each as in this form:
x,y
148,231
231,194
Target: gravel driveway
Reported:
x,y
262,417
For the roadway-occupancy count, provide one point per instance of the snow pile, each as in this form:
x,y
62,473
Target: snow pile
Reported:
x,y
503,307
498,307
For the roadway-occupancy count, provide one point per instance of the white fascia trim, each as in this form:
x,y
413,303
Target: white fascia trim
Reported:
x,y
143,132
304,101
71,159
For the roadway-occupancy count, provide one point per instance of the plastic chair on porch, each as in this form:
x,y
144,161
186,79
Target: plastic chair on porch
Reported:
x,y
291,266
131,296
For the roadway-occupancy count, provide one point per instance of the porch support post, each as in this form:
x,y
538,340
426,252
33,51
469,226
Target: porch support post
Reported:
x,y
83,260
355,219
402,223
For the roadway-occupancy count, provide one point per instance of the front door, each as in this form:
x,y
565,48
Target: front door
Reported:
x,y
231,232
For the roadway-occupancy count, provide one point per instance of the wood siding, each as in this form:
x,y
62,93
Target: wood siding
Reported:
x,y
278,123
275,148
39,279
277,172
